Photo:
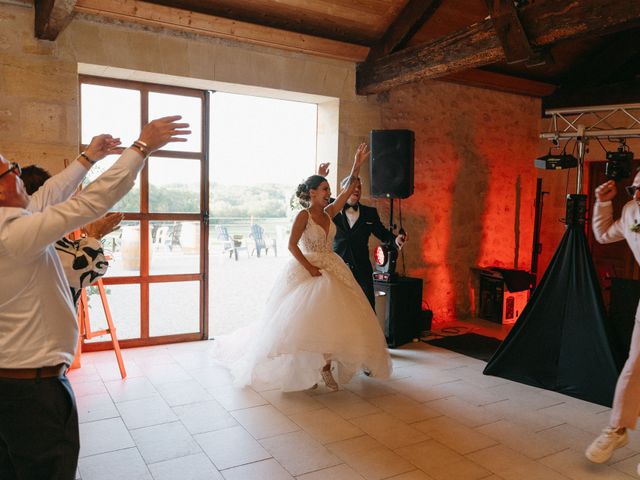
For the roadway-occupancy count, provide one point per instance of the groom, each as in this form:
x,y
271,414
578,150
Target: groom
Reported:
x,y
354,225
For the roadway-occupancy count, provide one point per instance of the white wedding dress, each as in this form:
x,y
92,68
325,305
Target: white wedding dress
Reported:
x,y
307,319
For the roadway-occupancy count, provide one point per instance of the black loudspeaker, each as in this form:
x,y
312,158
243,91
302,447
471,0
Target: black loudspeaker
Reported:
x,y
399,309
391,164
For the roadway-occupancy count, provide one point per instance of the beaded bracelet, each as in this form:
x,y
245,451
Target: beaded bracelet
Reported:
x,y
86,157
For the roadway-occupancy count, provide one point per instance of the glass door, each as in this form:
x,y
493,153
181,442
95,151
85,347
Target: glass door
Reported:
x,y
156,283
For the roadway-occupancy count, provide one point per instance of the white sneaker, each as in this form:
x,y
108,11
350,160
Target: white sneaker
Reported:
x,y
602,447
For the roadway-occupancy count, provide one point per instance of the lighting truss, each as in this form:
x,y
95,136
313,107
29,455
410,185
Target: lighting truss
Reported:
x,y
583,123
565,123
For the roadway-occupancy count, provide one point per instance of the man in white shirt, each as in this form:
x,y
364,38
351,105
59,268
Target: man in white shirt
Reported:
x,y
38,330
626,402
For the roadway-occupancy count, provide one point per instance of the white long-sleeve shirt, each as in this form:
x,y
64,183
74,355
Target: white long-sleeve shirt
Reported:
x,y
607,230
37,318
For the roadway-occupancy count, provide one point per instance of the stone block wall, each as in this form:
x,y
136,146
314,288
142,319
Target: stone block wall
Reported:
x,y
474,186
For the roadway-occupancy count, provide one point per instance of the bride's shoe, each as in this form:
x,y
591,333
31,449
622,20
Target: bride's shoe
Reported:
x,y
329,381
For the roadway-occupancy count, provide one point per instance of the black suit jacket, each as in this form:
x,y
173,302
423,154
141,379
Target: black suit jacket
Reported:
x,y
352,244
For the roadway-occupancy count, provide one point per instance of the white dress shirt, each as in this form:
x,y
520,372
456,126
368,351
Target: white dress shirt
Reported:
x,y
37,318
606,230
352,215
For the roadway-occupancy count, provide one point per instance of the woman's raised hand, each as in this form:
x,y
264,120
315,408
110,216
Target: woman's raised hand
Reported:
x,y
362,154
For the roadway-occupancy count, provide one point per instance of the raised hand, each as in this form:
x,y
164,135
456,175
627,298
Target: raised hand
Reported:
x,y
103,226
101,146
323,169
607,191
362,154
159,132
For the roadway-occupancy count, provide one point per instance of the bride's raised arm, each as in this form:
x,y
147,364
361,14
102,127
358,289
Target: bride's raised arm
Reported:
x,y
362,153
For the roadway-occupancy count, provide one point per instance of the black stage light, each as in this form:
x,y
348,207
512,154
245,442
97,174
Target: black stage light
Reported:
x,y
619,164
552,161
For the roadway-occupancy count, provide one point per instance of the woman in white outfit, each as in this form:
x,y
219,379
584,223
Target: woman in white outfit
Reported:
x,y
317,322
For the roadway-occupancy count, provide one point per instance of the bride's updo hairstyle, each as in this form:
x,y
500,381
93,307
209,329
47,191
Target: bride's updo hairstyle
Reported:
x,y
310,183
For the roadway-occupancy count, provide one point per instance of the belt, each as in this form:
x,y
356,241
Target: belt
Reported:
x,y
33,373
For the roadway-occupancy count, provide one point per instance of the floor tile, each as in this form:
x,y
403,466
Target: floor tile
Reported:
x,y
231,447
145,412
183,392
299,453
233,398
574,465
325,426
164,442
347,404
456,436
131,389
290,403
264,421
104,436
95,407
389,430
404,408
204,417
191,467
512,465
532,444
264,470
442,463
116,465
339,472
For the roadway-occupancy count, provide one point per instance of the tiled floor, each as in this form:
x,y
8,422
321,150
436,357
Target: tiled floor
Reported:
x,y
177,417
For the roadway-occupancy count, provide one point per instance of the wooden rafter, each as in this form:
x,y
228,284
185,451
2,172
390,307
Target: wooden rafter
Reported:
x,y
193,22
287,16
512,36
408,22
51,17
499,81
546,22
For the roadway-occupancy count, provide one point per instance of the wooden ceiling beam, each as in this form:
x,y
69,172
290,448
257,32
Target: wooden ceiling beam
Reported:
x,y
407,23
512,36
51,17
501,82
546,21
144,13
287,17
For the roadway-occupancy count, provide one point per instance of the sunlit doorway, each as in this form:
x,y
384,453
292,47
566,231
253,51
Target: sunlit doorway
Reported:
x,y
260,150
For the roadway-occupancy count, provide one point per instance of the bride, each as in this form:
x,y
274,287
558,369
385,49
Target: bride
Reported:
x,y
317,321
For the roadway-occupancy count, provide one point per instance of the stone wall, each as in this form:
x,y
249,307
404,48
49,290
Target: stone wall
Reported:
x,y
474,186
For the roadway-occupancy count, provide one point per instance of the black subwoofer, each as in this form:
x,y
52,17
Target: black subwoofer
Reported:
x,y
391,164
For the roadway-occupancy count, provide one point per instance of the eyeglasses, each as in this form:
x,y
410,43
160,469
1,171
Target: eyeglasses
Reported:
x,y
632,189
13,167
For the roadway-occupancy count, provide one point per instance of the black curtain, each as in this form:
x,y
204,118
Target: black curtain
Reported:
x,y
562,340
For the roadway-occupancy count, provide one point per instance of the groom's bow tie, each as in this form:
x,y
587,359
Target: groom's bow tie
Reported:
x,y
347,207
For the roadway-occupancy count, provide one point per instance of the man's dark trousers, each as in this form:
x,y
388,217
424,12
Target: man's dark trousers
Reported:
x,y
39,436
